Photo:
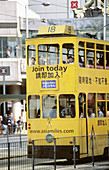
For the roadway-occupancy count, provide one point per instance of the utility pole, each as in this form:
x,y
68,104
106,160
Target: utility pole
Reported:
x,y
105,19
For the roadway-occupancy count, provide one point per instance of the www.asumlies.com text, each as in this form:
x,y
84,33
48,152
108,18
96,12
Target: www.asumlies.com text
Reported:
x,y
52,131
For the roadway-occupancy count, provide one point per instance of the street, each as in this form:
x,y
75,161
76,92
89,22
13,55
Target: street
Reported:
x,y
18,158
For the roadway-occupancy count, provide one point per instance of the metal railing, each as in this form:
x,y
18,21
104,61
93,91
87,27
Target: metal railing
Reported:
x,y
18,155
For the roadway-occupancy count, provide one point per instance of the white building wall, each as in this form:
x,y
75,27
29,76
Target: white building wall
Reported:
x,y
12,12
7,11
15,71
56,9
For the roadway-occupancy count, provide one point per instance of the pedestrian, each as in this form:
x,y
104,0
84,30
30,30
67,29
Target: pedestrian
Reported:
x,y
33,61
9,124
0,125
20,124
100,113
5,124
8,52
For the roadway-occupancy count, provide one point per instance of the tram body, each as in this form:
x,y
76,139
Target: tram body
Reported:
x,y
67,90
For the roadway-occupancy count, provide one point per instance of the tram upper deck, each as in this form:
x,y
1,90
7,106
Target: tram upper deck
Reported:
x,y
67,61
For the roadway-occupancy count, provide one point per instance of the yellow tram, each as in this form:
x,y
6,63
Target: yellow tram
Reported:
x,y
67,91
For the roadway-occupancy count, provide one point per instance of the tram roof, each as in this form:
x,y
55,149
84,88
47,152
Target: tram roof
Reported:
x,y
61,31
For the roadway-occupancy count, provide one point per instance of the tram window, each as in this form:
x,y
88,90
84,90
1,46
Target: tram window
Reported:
x,y
67,106
101,109
82,105
107,109
91,105
90,59
107,104
100,60
49,106
100,46
81,53
81,44
107,96
89,45
34,106
68,53
107,60
31,58
48,54
100,96
107,47
101,104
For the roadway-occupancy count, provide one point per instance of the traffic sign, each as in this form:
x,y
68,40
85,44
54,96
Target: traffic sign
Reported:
x,y
4,71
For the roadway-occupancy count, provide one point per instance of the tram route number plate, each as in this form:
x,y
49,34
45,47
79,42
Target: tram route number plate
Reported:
x,y
48,84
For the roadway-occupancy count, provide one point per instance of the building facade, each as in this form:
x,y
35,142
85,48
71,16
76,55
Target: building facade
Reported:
x,y
13,24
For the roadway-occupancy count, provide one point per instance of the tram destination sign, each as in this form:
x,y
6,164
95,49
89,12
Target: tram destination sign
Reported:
x,y
48,84
5,70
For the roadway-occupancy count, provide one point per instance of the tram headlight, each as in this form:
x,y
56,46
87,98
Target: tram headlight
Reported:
x,y
49,137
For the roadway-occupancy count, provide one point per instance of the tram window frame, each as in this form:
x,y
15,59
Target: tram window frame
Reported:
x,y
81,53
90,45
107,104
81,44
91,105
49,108
100,60
107,60
101,102
82,105
67,106
100,56
100,46
68,53
34,106
100,96
107,47
90,58
44,54
31,55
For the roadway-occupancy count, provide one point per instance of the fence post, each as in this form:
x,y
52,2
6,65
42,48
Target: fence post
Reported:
x,y
54,153
7,135
8,156
92,150
32,154
74,157
20,140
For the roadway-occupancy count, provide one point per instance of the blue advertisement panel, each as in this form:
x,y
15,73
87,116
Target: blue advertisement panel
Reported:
x,y
48,84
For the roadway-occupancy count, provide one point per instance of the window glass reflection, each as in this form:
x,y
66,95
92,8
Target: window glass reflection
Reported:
x,y
66,106
34,106
49,106
31,55
68,53
48,54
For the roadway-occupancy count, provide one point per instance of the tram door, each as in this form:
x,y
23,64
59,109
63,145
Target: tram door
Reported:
x,y
83,124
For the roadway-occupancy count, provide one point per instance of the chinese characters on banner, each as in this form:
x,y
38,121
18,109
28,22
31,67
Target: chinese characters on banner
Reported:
x,y
72,5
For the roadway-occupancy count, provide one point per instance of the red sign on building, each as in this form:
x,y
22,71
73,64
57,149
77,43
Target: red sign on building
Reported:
x,y
74,4
4,70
